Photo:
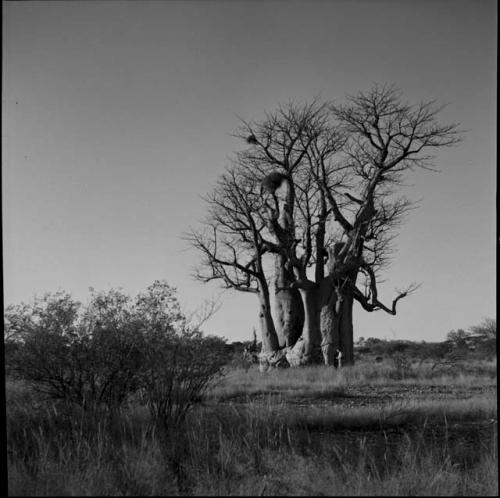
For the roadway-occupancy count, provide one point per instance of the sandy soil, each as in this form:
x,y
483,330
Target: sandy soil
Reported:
x,y
376,395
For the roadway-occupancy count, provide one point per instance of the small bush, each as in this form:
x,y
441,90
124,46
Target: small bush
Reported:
x,y
114,349
65,355
99,355
176,373
402,366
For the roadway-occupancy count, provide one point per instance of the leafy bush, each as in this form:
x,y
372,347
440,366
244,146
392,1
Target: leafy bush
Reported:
x,y
480,338
486,337
98,355
72,355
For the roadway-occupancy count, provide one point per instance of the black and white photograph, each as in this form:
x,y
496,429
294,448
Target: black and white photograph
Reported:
x,y
249,247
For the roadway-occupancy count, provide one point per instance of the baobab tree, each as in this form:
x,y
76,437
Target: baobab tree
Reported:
x,y
386,139
278,151
232,245
277,147
315,188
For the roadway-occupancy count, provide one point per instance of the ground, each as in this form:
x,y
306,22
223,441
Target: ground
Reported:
x,y
371,429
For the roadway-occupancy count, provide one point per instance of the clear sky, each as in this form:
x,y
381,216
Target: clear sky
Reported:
x,y
117,118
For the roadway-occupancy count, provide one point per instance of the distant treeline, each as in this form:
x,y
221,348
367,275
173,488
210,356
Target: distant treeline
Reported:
x,y
479,342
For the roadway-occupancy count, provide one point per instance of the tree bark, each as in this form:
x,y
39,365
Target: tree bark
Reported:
x,y
288,307
336,309
343,317
346,329
311,330
328,320
270,341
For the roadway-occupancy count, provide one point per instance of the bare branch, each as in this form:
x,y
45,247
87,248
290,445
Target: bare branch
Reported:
x,y
371,302
195,319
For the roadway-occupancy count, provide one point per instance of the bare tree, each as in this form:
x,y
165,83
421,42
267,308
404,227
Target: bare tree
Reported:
x,y
386,138
280,151
232,245
317,188
277,147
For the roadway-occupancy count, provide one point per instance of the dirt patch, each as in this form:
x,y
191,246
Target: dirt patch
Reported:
x,y
365,396
370,396
464,443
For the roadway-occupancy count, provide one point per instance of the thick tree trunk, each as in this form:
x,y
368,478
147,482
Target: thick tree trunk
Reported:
x,y
270,341
328,321
344,309
288,307
328,309
337,310
346,329
311,330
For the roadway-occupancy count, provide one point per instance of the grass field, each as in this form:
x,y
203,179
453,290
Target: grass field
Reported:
x,y
371,429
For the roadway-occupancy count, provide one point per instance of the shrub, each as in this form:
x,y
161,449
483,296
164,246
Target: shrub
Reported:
x,y
65,354
98,355
402,365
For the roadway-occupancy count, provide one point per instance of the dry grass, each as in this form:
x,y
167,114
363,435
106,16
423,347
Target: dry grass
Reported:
x,y
267,446
297,475
320,381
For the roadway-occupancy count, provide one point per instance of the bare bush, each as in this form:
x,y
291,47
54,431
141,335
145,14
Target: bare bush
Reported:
x,y
98,355
64,354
